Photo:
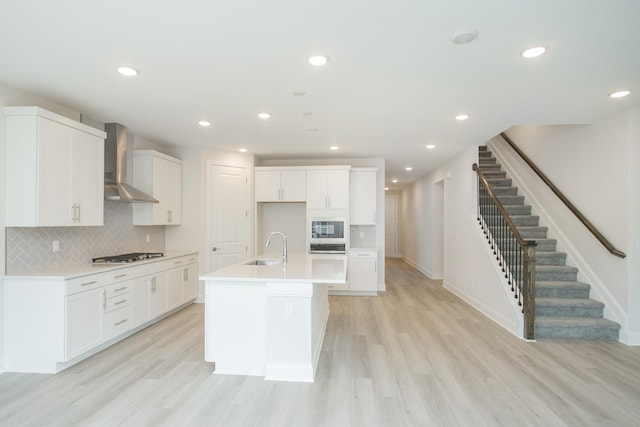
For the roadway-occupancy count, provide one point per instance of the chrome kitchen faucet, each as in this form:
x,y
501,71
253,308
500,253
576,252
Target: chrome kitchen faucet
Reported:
x,y
284,244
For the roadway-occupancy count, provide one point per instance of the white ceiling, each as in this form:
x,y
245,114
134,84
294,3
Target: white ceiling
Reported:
x,y
393,84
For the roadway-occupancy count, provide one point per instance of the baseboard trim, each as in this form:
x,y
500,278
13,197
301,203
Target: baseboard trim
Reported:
x,y
429,274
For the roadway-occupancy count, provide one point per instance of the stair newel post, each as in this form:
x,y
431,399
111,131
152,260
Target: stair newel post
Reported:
x,y
529,289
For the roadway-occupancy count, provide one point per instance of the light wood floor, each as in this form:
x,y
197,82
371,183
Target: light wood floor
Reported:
x,y
415,355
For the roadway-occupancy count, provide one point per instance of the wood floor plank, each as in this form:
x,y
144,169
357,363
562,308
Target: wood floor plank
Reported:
x,y
414,356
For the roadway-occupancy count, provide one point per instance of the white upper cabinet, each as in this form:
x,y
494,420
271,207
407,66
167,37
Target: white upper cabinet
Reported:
x,y
328,188
280,185
55,170
160,176
362,192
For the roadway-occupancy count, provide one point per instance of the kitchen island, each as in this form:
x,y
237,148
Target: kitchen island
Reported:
x,y
270,320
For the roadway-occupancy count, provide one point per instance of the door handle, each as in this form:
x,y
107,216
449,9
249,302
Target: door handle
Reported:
x,y
213,249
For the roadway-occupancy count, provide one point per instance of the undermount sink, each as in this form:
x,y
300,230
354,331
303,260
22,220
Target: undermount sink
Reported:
x,y
264,262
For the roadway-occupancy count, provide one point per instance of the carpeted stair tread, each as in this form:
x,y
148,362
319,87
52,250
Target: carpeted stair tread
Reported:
x,y
569,307
576,328
555,289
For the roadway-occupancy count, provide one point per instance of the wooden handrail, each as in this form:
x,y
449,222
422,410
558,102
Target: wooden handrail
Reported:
x,y
566,201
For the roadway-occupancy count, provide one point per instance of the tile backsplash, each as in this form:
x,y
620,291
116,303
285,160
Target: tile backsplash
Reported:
x,y
31,248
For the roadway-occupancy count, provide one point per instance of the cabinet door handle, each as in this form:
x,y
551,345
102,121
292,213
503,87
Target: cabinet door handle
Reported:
x,y
89,283
119,276
375,266
104,300
120,322
185,274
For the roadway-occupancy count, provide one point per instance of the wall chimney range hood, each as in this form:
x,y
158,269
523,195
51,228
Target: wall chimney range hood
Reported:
x,y
118,165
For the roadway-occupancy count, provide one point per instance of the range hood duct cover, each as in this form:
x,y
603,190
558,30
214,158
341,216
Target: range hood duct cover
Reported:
x,y
118,157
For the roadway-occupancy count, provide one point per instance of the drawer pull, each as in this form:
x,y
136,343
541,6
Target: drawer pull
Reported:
x,y
89,283
120,302
120,289
120,322
119,276
178,262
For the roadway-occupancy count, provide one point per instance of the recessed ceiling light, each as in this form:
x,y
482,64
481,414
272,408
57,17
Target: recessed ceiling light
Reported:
x,y
619,94
462,117
464,36
307,113
318,60
313,130
386,188
128,71
430,146
334,147
534,51
394,181
408,168
204,123
242,150
299,93
264,115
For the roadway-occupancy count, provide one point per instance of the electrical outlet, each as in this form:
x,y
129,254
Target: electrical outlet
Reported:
x,y
56,246
288,309
148,238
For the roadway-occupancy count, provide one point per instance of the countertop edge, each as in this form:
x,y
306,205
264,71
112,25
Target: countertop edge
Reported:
x,y
74,271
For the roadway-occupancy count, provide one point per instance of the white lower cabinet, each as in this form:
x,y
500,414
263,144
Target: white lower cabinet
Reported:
x,y
363,271
362,274
84,322
158,294
141,300
51,323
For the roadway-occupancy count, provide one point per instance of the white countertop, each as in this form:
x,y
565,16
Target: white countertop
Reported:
x,y
300,267
65,272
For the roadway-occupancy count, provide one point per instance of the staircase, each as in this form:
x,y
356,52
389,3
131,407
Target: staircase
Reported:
x,y
563,307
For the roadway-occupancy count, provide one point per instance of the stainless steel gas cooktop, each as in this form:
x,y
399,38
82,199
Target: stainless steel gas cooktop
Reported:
x,y
131,257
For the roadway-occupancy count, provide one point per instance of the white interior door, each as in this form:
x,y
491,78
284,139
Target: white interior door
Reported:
x,y
391,226
229,221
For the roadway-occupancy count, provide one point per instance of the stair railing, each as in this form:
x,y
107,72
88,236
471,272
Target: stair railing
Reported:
x,y
515,255
598,235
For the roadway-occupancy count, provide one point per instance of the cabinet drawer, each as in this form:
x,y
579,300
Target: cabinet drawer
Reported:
x,y
117,289
117,322
356,254
84,283
117,302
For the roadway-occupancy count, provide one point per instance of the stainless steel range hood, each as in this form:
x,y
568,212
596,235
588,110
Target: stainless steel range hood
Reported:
x,y
118,164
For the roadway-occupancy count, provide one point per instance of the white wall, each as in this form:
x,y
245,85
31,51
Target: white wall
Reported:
x,y
595,166
441,237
